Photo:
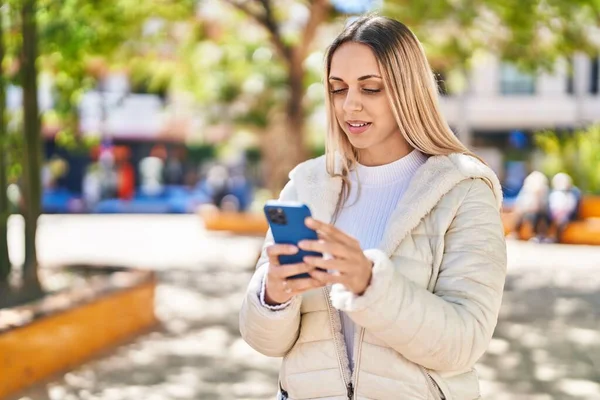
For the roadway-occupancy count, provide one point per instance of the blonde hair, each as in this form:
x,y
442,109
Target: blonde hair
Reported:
x,y
411,89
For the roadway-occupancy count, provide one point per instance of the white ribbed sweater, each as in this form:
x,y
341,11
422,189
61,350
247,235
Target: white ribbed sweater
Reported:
x,y
369,208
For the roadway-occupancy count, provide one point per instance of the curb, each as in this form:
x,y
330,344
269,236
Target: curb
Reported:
x,y
62,341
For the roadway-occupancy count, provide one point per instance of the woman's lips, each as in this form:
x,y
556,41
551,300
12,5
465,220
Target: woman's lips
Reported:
x,y
358,127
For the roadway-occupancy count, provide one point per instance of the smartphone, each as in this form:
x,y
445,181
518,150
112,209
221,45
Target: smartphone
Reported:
x,y
286,220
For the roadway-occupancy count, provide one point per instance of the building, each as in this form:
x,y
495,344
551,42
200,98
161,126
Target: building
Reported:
x,y
500,100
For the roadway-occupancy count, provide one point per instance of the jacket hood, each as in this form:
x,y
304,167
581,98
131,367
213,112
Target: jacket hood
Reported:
x,y
430,183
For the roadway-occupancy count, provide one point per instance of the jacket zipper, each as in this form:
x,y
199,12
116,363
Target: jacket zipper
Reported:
x,y
352,381
433,387
346,380
353,385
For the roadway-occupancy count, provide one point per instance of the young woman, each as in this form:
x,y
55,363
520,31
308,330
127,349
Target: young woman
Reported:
x,y
410,219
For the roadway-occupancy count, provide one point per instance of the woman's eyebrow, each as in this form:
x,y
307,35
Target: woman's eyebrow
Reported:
x,y
362,78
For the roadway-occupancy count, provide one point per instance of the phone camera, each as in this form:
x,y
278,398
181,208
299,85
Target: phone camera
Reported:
x,y
277,216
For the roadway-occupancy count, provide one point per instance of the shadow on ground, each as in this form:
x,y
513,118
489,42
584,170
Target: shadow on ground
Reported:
x,y
547,342
546,345
197,354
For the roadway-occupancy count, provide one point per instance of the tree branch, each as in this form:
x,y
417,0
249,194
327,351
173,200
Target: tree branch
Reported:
x,y
268,22
319,10
273,29
245,9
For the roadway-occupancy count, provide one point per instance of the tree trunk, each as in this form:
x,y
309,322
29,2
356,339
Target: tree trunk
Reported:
x,y
283,147
4,209
33,146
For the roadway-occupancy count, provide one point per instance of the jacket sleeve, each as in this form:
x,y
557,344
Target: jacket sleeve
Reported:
x,y
270,332
449,329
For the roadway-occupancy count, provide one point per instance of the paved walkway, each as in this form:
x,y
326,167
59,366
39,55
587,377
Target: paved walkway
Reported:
x,y
546,346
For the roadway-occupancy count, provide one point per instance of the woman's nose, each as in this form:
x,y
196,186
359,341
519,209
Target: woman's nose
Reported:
x,y
353,102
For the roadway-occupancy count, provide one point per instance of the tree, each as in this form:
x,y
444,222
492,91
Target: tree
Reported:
x,y
32,161
531,34
255,75
4,210
287,147
67,37
80,41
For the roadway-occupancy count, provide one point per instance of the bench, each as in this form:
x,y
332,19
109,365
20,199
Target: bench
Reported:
x,y
239,223
584,230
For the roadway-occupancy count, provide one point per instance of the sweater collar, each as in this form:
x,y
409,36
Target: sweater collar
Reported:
x,y
400,170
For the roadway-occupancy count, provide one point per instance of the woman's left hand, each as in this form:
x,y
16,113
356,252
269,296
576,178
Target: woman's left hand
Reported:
x,y
353,268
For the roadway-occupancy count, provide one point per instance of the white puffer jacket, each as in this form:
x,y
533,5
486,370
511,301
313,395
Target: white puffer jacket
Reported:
x,y
432,305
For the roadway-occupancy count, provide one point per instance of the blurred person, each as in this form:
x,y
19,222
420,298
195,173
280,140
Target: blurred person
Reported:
x,y
151,175
52,171
107,174
159,151
409,221
92,186
563,203
46,176
15,197
230,203
240,186
217,184
531,206
126,175
174,171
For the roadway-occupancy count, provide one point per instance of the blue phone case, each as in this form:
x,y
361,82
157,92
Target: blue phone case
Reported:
x,y
287,226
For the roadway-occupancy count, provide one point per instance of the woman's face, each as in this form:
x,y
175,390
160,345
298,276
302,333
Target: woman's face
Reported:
x,y
361,105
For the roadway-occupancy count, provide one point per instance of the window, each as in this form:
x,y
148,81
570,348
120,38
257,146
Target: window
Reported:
x,y
513,81
595,75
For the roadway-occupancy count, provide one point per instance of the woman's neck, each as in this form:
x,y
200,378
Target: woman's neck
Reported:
x,y
384,154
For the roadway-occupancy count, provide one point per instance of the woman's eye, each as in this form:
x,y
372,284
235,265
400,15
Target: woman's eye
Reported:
x,y
365,90
338,91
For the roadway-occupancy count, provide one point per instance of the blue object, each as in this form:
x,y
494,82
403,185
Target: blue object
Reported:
x,y
516,172
517,139
288,227
116,206
59,201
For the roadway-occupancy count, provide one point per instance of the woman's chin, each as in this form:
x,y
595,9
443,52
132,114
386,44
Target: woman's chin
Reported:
x,y
359,143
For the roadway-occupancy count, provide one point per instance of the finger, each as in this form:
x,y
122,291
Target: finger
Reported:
x,y
326,278
337,250
330,231
274,251
286,287
281,249
297,286
328,264
287,270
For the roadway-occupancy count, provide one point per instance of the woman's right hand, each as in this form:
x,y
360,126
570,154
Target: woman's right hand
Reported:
x,y
278,288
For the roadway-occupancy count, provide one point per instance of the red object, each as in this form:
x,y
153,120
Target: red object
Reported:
x,y
126,187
